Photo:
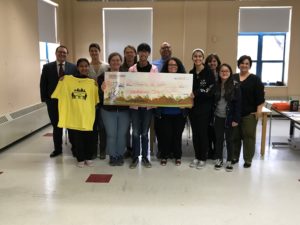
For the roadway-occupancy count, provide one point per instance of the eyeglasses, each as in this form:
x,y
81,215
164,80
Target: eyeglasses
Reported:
x,y
224,71
165,48
172,65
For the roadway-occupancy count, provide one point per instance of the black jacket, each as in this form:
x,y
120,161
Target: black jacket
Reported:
x,y
233,99
49,78
203,90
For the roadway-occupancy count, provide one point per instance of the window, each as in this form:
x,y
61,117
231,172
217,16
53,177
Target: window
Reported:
x,y
47,31
264,35
120,26
267,51
47,53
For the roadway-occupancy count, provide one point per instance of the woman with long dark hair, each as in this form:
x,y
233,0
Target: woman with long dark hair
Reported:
x,y
170,121
226,114
213,62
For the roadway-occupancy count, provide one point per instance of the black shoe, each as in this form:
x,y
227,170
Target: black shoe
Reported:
x,y
134,163
102,155
120,161
247,165
229,167
55,153
219,164
234,161
146,162
112,161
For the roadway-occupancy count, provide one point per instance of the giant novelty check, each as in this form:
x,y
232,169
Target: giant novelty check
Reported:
x,y
148,89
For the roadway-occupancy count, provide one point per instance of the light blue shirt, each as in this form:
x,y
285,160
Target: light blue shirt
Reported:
x,y
159,63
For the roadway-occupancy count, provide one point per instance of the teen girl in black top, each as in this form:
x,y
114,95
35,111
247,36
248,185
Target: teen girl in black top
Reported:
x,y
200,114
213,62
227,114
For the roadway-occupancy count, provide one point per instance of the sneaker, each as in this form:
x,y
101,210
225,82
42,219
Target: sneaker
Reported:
x,y
247,165
201,164
120,161
134,163
80,164
194,163
112,161
178,162
163,162
102,155
229,167
219,164
89,163
146,162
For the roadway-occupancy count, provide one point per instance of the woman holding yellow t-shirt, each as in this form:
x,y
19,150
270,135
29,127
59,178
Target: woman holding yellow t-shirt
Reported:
x,y
77,99
86,141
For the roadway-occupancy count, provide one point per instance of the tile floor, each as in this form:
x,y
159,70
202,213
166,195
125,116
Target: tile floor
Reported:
x,y
38,190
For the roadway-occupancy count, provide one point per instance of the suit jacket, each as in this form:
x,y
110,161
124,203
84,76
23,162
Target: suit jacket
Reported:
x,y
49,78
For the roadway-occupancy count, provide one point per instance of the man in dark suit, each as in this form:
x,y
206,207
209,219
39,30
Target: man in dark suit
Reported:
x,y
50,76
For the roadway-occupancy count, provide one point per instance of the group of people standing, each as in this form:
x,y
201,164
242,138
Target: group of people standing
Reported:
x,y
226,107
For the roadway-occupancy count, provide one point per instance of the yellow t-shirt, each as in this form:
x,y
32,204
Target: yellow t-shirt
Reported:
x,y
77,98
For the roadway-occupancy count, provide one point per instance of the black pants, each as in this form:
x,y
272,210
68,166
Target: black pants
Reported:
x,y
199,124
52,107
220,132
211,142
86,143
101,134
72,141
169,130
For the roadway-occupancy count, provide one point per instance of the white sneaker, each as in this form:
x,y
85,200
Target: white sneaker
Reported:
x,y
194,163
219,164
201,165
80,164
89,163
229,167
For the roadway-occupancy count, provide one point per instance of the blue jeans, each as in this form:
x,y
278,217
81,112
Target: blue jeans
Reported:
x,y
116,124
141,120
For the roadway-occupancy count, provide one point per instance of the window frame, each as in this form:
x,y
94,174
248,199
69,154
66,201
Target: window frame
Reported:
x,y
259,61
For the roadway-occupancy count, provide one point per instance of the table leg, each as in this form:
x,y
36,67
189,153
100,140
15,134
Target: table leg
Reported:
x,y
263,133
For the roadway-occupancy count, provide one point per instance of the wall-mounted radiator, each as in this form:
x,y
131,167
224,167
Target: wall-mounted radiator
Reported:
x,y
19,124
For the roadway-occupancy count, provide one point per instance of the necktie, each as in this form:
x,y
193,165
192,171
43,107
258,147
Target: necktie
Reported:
x,y
61,70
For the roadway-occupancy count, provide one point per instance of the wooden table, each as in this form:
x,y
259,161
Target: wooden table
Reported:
x,y
264,120
293,117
